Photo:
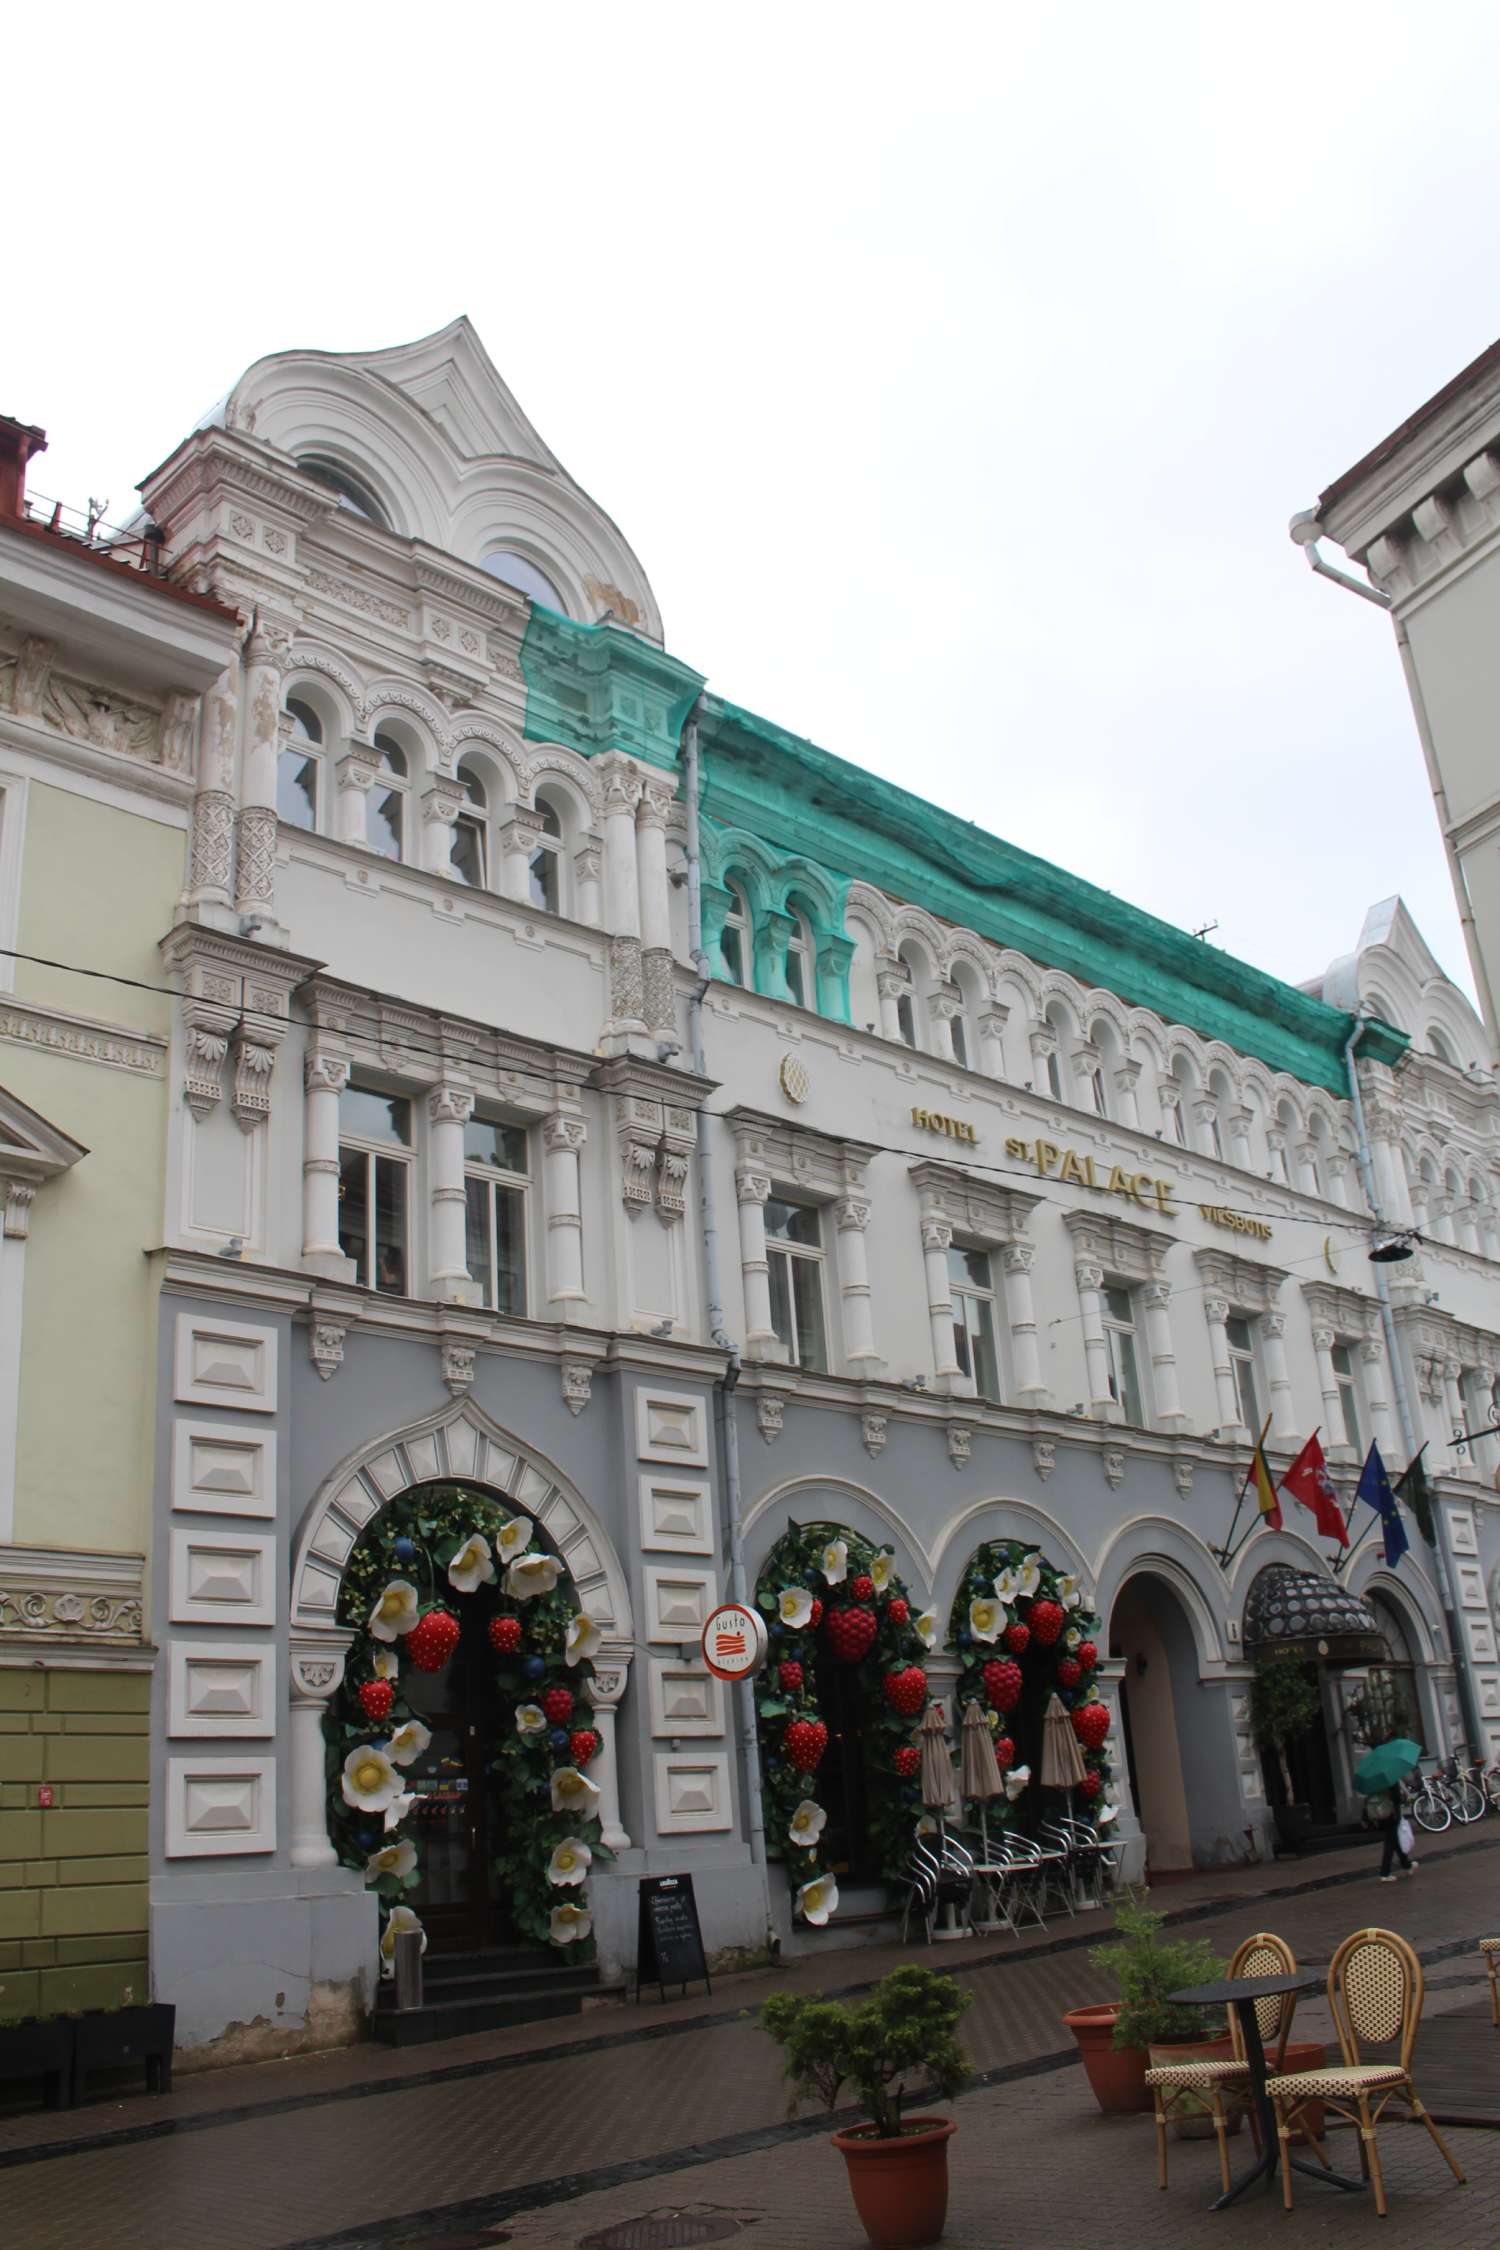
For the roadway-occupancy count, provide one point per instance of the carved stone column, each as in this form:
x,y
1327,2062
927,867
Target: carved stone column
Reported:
x,y
210,889
1169,1101
1396,1198
324,1078
1018,1258
1165,1392
1127,1096
622,902
1090,1281
1126,1829
1216,1313
518,838
652,815
1085,1061
355,775
893,984
942,1007
753,1190
1205,1117
442,802
1382,1429
992,1041
255,862
563,1138
588,869
1240,1122
1334,1433
852,1217
1461,1463
1278,1376
1042,1040
937,1240
1307,1168
449,1109
316,1666
605,1691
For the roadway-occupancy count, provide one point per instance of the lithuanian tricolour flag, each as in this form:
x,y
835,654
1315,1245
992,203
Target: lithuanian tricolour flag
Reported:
x,y
1259,1476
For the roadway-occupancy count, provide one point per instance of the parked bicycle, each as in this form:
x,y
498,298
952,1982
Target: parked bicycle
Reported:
x,y
1448,1794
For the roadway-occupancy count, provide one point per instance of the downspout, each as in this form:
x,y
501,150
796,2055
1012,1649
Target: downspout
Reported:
x,y
1466,1694
724,1412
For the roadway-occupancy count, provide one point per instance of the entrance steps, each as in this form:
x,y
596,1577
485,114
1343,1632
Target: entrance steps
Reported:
x,y
464,1992
866,1916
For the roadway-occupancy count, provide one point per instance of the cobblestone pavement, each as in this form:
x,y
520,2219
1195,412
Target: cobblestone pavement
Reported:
x,y
546,2132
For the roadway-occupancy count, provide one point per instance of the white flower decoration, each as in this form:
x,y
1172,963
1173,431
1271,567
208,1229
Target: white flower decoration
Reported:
x,y
392,1859
370,1781
1109,1813
570,1925
1070,1592
1072,1637
569,1864
836,1561
794,1604
1029,1576
926,1825
473,1565
397,1810
880,1571
408,1742
987,1620
530,1719
530,1575
513,1538
807,1824
1016,1780
817,1900
1006,1586
573,1792
926,1628
387,1664
394,1611
401,1919
584,1639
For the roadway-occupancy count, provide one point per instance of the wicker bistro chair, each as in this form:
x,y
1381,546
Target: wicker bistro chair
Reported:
x,y
1221,2083
1375,1993
1489,1952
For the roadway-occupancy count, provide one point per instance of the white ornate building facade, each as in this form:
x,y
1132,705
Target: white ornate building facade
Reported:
x,y
955,1206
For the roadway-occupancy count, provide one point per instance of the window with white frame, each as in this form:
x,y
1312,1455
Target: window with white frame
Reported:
x,y
960,1038
971,1288
470,840
516,571
800,963
386,831
375,1170
1346,1376
794,1251
1054,1074
1241,1335
906,1016
1118,1310
734,937
496,1174
545,865
298,767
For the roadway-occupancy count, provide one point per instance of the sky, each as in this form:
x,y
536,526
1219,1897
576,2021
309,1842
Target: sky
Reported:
x,y
954,373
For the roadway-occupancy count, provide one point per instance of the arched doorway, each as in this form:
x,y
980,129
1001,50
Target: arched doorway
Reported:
x,y
1303,1629
1390,1702
1151,1638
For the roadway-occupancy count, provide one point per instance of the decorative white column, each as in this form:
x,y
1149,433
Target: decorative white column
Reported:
x,y
324,1078
1095,1348
1127,1097
1216,1313
1205,1113
942,1006
255,861
852,1217
316,1667
210,888
442,802
1462,1456
992,1041
621,785
651,818
1336,1164
355,775
1334,1432
1164,1387
1397,1198
1240,1122
1276,1149
1307,1168
563,1137
518,838
1085,1063
1126,1829
605,1690
1478,1389
449,1109
891,984
1018,1259
1042,1040
937,1240
1465,1219
1278,1375
1169,1100
1382,1430
588,865
1442,1218
753,1190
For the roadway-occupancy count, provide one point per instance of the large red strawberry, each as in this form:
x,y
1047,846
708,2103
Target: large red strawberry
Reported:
x,y
898,1610
1005,1751
1017,1639
1002,1684
1091,1785
1091,1724
850,1633
862,1587
505,1635
1088,1655
432,1640
1046,1621
789,1676
558,1705
906,1691
907,1763
816,1618
1069,1671
583,1744
805,1742
376,1698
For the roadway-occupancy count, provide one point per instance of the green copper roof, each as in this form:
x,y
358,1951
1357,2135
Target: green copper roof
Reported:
x,y
601,687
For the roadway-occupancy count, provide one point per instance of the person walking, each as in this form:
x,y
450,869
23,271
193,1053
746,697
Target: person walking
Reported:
x,y
1395,1828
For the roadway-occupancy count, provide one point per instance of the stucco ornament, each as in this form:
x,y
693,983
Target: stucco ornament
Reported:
x,y
473,1565
807,1824
926,1629
570,1925
530,1575
401,1920
513,1538
408,1742
573,1792
584,1639
817,1900
881,1568
569,1864
394,1611
398,1859
370,1781
530,1719
836,1561
794,1607
987,1619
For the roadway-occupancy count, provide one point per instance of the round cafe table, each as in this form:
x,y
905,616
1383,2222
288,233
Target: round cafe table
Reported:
x,y
1241,1994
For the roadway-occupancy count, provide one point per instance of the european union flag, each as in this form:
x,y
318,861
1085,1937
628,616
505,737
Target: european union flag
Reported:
x,y
1375,1489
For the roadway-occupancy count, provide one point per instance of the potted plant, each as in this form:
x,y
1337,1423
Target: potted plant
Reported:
x,y
1118,2042
39,2047
906,2029
1284,1701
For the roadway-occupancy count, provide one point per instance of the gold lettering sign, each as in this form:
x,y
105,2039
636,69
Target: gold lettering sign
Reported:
x,y
1052,1162
930,1122
1217,1216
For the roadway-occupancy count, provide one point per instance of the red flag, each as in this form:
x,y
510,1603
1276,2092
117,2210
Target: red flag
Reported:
x,y
1308,1481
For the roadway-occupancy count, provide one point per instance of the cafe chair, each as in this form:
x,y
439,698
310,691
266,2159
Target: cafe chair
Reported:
x,y
1375,1994
1489,1953
935,1878
1219,2083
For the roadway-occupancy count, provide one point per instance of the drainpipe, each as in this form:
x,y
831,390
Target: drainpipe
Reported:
x,y
1466,1693
724,1410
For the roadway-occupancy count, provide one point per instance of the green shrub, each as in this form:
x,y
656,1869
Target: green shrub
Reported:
x,y
907,2026
1146,1967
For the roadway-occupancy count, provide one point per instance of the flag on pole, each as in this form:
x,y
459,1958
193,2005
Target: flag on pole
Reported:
x,y
1375,1490
1413,1488
1308,1481
1264,1484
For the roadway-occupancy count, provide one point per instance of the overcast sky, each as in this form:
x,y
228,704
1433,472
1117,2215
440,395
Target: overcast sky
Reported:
x,y
954,373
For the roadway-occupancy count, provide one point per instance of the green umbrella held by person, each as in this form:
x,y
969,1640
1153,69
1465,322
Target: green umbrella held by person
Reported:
x,y
1378,1775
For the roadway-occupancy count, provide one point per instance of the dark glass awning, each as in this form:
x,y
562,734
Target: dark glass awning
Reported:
x,y
1302,1614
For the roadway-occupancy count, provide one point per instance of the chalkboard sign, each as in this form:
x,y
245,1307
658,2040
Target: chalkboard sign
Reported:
x,y
669,1943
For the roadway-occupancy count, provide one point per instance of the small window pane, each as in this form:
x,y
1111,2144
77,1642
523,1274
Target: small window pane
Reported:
x,y
1239,1333
969,1267
369,1116
781,1301
906,1019
306,725
390,1226
297,789
1054,1078
501,1147
960,1042
473,786
1125,1381
732,953
543,876
385,825
793,1222
551,825
392,756
807,1295
468,853
514,570
1117,1306
354,1209
796,982
1245,1391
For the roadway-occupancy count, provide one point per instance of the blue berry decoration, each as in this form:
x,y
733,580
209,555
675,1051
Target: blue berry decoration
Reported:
x,y
533,1666
404,1550
558,1738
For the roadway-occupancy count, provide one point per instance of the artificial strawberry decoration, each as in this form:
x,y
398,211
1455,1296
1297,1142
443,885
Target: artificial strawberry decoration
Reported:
x,y
1005,1751
432,1640
1002,1684
863,1587
583,1744
1088,1656
1046,1621
1069,1672
1091,1724
789,1677
906,1691
558,1705
907,1763
897,1610
505,1635
376,1698
805,1742
1017,1639
850,1633
816,1619
1091,1785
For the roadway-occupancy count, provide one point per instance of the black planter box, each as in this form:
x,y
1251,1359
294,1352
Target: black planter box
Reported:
x,y
116,2038
1293,1826
42,2047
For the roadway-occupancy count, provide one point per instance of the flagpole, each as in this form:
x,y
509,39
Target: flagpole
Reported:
x,y
1244,1488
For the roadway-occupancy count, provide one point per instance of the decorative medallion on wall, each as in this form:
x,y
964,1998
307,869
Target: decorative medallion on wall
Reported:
x,y
794,1078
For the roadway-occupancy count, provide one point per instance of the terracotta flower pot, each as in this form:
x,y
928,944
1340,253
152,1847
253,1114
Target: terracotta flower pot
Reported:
x,y
900,2187
1192,2117
1116,2074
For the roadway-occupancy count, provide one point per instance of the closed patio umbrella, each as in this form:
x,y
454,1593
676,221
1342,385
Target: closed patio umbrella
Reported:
x,y
937,1766
1062,1760
979,1768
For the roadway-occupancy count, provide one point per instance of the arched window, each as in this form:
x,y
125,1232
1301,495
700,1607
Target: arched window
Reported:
x,y
1218,1122
801,961
1284,1142
299,768
734,937
470,840
967,1050
1438,1044
387,818
1180,1112
911,1005
545,865
353,495
1057,1022
515,571
906,1016
1103,1039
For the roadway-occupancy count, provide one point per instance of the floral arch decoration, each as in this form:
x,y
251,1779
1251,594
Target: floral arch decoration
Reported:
x,y
1023,1631
432,1551
830,1597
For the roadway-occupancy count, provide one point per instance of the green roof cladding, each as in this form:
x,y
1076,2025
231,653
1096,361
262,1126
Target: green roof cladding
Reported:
x,y
602,687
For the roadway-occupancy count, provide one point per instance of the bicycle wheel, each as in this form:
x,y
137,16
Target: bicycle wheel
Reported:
x,y
1430,1812
1469,1801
